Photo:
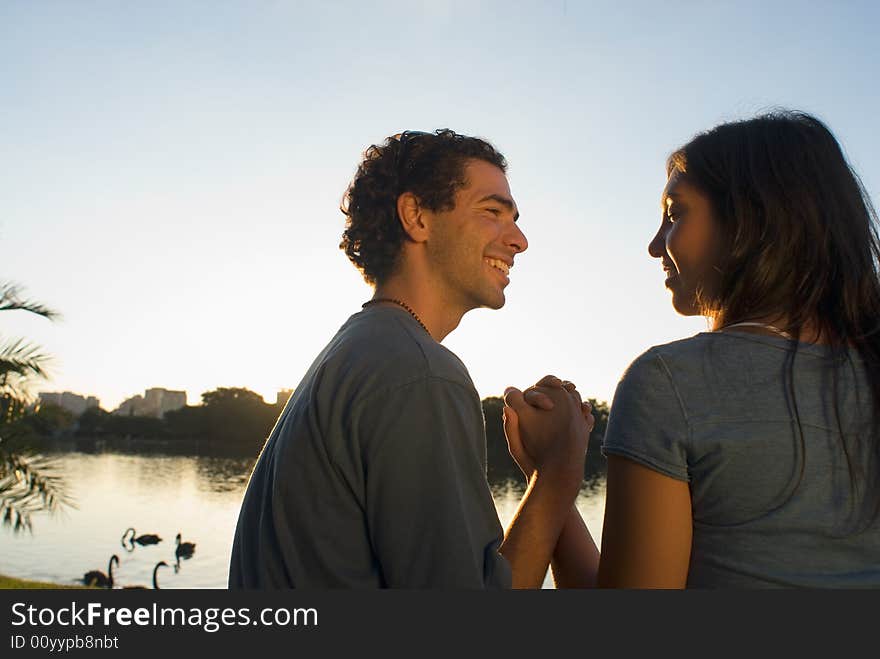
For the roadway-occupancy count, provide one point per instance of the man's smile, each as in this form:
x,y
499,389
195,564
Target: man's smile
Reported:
x,y
499,264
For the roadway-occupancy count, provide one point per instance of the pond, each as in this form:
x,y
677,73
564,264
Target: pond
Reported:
x,y
197,496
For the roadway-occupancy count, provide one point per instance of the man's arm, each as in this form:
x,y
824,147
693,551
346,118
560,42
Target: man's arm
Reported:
x,y
430,515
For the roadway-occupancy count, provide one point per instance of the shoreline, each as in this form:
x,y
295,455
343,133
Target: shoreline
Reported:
x,y
13,583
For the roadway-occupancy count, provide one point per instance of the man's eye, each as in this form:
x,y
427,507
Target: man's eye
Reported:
x,y
495,211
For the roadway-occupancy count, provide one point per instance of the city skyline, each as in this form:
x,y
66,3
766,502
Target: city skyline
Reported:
x,y
77,402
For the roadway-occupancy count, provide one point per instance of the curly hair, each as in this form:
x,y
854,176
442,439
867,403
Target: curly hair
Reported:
x,y
430,165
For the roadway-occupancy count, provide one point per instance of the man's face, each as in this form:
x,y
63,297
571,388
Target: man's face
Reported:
x,y
471,248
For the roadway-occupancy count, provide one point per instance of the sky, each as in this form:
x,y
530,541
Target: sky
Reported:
x,y
171,172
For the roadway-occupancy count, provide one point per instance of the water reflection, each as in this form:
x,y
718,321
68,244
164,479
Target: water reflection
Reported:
x,y
224,474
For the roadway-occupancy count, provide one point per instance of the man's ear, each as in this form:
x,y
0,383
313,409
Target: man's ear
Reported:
x,y
412,217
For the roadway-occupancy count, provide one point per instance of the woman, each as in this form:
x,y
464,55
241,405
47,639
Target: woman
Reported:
x,y
747,456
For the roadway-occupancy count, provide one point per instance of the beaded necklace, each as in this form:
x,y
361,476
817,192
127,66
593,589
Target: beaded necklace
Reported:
x,y
399,303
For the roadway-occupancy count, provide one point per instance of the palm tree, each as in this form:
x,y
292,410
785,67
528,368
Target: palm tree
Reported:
x,y
28,482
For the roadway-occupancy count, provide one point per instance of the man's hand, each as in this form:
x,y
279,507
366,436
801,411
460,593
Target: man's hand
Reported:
x,y
538,399
551,435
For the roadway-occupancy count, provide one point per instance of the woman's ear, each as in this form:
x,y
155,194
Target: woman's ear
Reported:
x,y
412,217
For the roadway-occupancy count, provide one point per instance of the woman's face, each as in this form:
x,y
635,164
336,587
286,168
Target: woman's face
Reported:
x,y
686,243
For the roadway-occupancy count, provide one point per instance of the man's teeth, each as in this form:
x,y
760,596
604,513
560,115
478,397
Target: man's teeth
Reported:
x,y
501,265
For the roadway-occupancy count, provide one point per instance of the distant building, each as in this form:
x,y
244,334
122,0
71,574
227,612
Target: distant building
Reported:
x,y
171,400
155,402
282,397
133,406
50,398
69,401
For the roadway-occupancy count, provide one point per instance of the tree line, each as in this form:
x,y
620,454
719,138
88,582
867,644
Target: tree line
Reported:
x,y
227,416
237,418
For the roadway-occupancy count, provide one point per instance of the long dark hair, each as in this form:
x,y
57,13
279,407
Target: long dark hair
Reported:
x,y
802,242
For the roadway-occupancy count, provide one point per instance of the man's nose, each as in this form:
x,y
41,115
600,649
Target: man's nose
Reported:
x,y
518,240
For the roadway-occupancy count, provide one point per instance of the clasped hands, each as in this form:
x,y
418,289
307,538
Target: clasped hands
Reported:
x,y
548,427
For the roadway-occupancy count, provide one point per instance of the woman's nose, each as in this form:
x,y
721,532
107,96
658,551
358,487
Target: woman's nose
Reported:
x,y
657,246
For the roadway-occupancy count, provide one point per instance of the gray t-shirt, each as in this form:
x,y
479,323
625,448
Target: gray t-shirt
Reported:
x,y
375,473
715,410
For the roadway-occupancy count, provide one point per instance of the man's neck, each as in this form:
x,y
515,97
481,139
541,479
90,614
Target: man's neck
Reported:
x,y
439,317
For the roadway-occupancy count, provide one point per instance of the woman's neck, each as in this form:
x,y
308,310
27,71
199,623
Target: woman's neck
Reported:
x,y
773,325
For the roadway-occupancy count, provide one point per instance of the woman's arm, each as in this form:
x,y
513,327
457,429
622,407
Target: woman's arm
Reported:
x,y
646,536
647,531
575,557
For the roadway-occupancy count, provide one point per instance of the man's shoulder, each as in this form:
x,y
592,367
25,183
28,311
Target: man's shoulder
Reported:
x,y
387,347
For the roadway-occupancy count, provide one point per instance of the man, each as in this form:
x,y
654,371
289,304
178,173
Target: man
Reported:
x,y
375,473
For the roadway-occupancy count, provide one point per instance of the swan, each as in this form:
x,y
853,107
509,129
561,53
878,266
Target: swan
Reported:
x,y
98,578
184,549
155,583
155,570
146,539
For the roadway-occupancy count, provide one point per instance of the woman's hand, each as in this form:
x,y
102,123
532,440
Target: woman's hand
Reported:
x,y
547,427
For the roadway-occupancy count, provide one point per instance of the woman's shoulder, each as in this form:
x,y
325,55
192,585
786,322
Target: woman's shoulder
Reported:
x,y
688,362
720,345
665,353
